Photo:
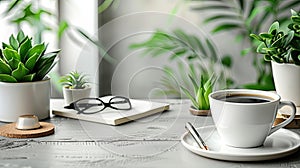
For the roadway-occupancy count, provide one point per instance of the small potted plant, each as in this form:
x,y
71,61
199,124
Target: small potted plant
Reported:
x,y
75,86
282,48
200,101
24,87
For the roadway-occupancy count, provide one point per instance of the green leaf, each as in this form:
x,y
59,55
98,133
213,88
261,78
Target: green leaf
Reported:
x,y
260,48
13,63
226,26
288,38
13,42
274,26
195,85
256,37
4,46
99,45
226,61
10,54
24,49
38,49
276,59
4,68
220,17
178,53
213,53
252,16
267,57
188,94
199,45
7,78
20,72
212,7
63,25
266,35
245,51
105,4
20,36
28,78
48,64
30,63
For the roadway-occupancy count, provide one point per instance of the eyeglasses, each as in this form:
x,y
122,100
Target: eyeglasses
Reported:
x,y
96,105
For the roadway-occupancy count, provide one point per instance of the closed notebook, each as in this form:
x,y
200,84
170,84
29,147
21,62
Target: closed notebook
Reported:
x,y
140,108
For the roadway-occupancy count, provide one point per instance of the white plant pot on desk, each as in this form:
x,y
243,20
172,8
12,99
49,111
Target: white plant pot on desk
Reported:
x,y
287,81
24,98
71,95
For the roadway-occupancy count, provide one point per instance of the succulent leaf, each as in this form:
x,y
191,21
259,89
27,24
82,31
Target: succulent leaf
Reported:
x,y
13,63
28,78
20,72
38,49
4,45
13,42
7,78
24,48
273,27
4,68
10,54
20,36
30,63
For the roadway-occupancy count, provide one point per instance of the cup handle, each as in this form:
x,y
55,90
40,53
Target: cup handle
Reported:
x,y
290,119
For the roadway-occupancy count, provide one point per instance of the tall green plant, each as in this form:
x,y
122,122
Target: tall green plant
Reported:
x,y
199,55
245,17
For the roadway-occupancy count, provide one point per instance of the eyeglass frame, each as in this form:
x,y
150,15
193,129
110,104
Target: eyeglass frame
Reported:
x,y
74,106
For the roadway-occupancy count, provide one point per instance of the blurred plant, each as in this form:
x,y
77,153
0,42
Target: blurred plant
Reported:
x,y
74,80
32,13
201,91
245,17
198,54
280,46
21,61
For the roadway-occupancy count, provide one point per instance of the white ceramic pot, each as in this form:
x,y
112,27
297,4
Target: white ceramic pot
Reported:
x,y
71,95
18,99
287,81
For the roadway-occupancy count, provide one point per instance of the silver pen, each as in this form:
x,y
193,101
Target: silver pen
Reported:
x,y
196,136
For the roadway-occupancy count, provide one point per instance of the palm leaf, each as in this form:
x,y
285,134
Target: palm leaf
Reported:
x,y
226,26
220,17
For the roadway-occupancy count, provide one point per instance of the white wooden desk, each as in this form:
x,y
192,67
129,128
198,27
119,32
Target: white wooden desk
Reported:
x,y
149,142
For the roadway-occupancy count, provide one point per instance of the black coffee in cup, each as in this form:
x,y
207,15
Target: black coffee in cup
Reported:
x,y
245,98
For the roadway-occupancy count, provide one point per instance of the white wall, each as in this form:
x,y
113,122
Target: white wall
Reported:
x,y
133,21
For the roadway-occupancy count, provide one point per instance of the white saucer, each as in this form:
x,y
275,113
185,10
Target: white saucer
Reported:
x,y
280,144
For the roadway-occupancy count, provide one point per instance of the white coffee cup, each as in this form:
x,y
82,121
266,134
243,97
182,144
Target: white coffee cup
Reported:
x,y
246,124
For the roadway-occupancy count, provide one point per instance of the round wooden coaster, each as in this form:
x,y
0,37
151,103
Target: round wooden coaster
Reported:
x,y
200,112
294,124
10,131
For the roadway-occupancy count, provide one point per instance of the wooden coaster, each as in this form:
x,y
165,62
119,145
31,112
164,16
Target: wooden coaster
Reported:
x,y
10,131
200,112
294,124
